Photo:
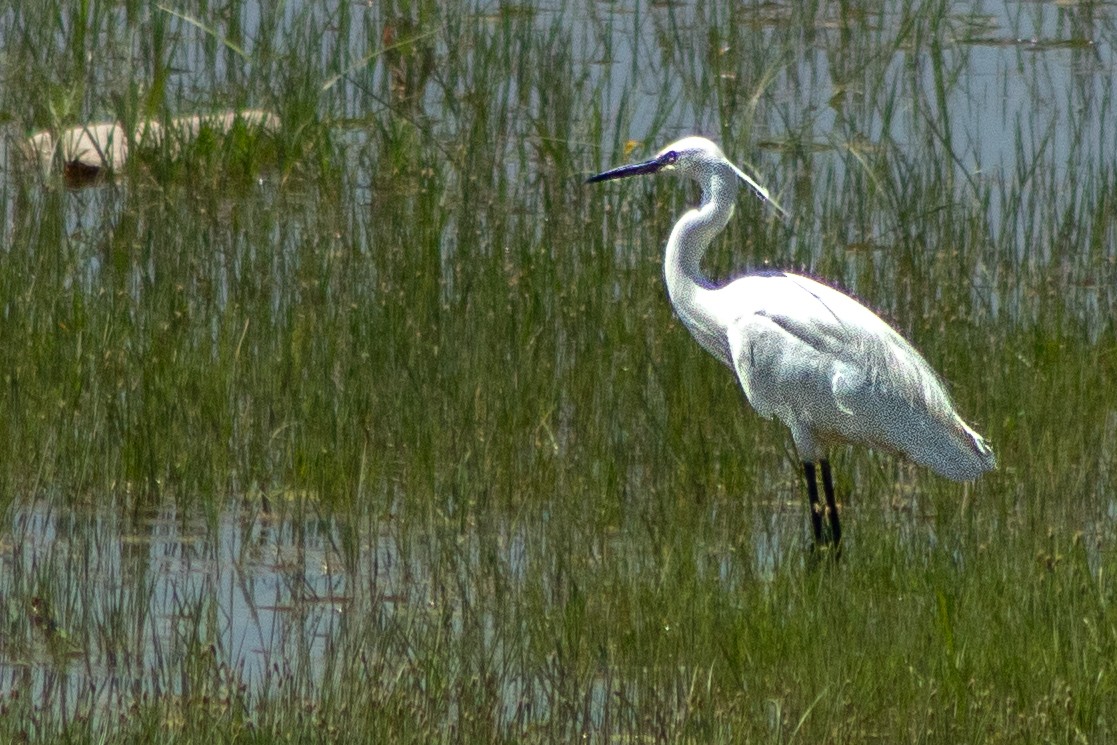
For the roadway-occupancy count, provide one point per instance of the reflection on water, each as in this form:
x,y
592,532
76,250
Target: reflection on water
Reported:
x,y
114,609
115,604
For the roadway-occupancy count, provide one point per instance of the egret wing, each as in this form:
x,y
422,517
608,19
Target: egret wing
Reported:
x,y
831,369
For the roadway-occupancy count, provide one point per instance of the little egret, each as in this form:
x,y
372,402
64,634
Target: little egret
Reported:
x,y
813,357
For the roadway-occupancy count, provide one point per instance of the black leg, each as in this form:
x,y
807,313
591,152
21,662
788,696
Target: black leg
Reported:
x,y
816,508
831,505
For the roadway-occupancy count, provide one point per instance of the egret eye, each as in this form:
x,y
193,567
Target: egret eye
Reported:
x,y
669,158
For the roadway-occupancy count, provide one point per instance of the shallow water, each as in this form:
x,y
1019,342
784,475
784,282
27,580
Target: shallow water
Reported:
x,y
128,597
1014,99
117,607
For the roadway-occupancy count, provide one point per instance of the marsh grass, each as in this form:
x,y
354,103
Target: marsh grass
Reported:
x,y
394,386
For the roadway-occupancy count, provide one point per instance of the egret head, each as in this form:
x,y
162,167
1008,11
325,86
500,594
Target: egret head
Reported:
x,y
693,157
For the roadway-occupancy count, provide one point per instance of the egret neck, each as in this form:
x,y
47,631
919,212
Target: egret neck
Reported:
x,y
691,292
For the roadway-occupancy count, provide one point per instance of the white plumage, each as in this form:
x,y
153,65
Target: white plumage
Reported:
x,y
811,356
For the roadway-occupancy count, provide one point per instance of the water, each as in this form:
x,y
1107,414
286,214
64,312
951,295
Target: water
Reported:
x,y
127,599
1018,97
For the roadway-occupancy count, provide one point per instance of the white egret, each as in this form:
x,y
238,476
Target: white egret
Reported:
x,y
813,357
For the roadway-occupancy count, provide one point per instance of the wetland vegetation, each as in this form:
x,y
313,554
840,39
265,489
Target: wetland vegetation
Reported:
x,y
377,425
